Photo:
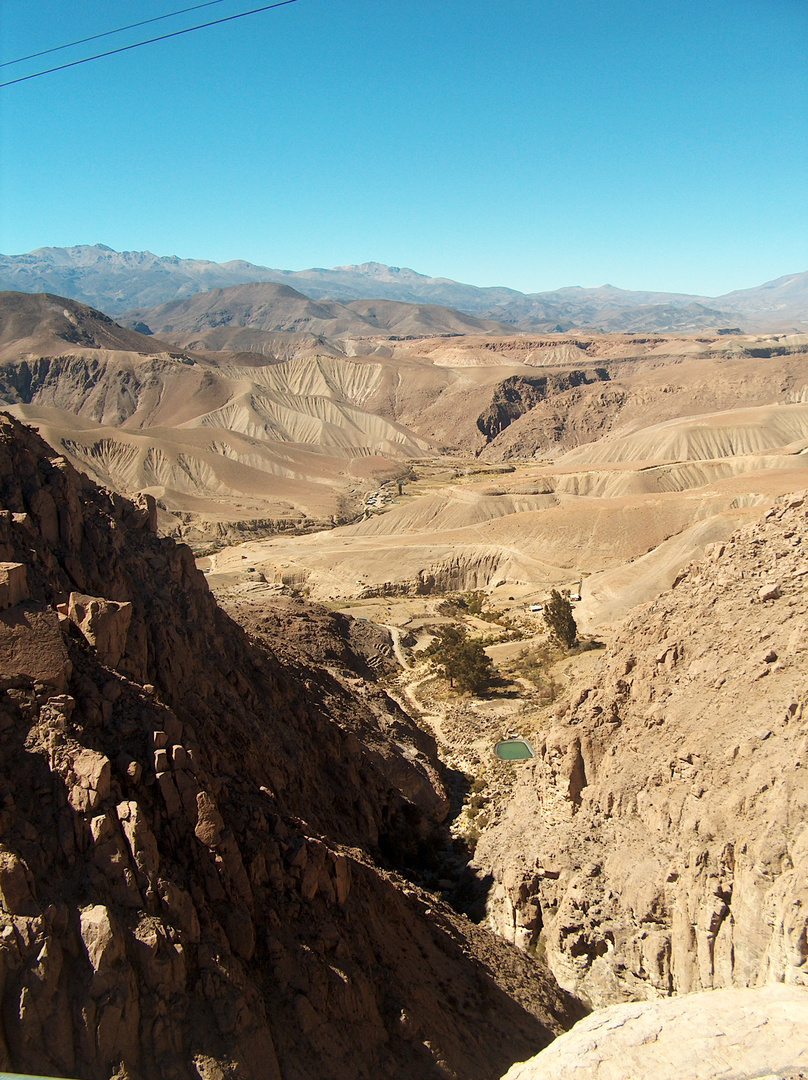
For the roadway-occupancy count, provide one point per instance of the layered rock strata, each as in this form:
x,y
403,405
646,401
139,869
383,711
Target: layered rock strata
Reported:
x,y
658,844
192,837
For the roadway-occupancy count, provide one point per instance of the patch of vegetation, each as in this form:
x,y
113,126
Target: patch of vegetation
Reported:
x,y
462,659
346,510
535,664
513,631
474,601
560,620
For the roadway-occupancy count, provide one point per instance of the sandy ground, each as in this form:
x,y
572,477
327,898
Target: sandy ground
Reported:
x,y
618,546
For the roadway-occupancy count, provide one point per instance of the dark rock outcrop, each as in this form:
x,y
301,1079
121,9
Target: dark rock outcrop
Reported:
x,y
515,396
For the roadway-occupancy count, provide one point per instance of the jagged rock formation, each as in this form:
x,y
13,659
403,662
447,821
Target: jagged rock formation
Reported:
x,y
659,842
300,632
724,1033
191,836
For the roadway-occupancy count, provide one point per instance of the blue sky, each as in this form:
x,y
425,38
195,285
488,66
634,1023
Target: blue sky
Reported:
x,y
529,143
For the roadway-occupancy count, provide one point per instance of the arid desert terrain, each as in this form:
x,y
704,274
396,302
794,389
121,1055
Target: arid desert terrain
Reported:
x,y
248,821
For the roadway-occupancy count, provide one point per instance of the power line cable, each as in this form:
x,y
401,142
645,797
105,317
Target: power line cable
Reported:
x,y
108,33
151,41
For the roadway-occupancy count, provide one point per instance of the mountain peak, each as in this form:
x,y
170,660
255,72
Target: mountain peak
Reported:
x,y
380,270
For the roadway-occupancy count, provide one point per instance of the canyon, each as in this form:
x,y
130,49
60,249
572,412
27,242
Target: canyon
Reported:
x,y
206,854
246,824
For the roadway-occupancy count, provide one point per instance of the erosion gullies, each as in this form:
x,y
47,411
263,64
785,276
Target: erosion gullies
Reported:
x,y
515,396
704,438
230,446
328,573
653,384
617,528
194,830
606,508
186,470
658,844
218,443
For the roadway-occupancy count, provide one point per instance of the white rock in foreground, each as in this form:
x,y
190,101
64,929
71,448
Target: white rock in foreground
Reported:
x,y
755,1034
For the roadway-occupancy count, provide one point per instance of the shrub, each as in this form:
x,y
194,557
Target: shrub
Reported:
x,y
560,620
535,664
475,601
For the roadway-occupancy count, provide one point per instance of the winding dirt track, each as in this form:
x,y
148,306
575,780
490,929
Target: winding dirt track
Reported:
x,y
396,636
410,681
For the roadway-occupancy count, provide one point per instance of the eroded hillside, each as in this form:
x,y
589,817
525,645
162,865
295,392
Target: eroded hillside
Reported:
x,y
609,458
658,843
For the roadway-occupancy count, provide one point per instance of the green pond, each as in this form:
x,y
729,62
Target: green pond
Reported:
x,y
514,749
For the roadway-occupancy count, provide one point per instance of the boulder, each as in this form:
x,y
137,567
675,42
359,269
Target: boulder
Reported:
x,y
91,780
31,645
104,623
16,885
715,1033
13,584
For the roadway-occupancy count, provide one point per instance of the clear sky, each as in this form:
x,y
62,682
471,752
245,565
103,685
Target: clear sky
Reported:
x,y
529,143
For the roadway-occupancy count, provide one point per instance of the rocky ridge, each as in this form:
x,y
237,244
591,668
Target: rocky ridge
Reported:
x,y
658,843
202,853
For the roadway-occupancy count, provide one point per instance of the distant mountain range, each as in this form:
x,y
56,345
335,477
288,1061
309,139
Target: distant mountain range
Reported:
x,y
117,282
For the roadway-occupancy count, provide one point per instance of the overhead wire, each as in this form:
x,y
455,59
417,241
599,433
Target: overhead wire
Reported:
x,y
150,41
108,33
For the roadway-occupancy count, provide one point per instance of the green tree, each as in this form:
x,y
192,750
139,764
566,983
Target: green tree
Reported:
x,y
463,660
475,601
560,620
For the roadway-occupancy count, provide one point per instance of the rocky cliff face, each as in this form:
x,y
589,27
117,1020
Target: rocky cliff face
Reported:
x,y
659,842
518,394
192,833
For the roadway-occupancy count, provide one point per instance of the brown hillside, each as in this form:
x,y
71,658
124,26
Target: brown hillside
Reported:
x,y
265,306
39,324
